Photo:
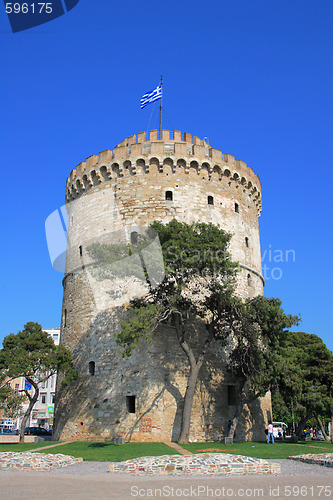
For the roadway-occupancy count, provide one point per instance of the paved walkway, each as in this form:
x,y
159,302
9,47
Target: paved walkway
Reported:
x,y
42,448
49,486
178,448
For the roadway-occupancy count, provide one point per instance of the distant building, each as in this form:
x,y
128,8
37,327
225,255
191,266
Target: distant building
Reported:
x,y
43,411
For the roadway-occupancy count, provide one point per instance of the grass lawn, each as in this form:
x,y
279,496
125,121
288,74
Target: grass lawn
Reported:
x,y
262,450
24,446
111,452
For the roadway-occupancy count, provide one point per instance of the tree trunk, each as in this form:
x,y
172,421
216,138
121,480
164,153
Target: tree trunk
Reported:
x,y
238,411
32,401
322,428
301,426
195,366
188,402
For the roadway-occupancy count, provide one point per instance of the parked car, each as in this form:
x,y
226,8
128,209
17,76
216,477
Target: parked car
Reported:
x,y
7,432
279,430
36,431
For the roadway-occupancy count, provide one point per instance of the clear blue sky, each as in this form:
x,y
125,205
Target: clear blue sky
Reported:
x,y
254,77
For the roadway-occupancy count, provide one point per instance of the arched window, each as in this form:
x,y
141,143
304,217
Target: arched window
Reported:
x,y
249,280
210,200
168,195
91,367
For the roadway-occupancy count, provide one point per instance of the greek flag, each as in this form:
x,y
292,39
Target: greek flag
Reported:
x,y
27,385
152,96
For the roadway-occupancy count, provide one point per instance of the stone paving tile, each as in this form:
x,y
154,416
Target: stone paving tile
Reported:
x,y
35,461
201,463
325,459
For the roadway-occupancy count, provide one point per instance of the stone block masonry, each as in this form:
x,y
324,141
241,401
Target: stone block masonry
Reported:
x,y
202,464
141,180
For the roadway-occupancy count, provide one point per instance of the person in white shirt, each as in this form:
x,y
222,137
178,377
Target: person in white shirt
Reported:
x,y
270,432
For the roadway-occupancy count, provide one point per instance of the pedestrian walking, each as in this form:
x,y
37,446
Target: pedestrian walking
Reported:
x,y
270,432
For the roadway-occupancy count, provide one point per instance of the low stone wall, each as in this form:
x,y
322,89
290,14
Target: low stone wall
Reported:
x,y
35,461
199,464
16,439
325,459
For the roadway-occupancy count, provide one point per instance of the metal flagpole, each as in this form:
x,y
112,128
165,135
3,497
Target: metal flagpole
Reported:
x,y
161,107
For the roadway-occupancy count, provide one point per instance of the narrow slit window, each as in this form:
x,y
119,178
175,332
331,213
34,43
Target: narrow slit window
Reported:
x,y
91,367
134,238
168,195
247,242
237,208
210,200
80,250
130,404
249,281
65,317
231,395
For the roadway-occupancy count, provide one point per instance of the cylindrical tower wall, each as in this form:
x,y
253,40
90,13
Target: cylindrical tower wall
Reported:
x,y
141,181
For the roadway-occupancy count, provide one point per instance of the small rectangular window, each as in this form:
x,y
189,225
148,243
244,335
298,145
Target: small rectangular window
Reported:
x,y
91,367
134,237
237,208
231,395
130,404
43,398
168,195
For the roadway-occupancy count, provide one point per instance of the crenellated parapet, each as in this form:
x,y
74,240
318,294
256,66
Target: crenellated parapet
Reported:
x,y
173,153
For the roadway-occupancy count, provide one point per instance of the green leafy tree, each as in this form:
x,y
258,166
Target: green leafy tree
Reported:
x,y
256,358
306,381
32,354
10,401
199,284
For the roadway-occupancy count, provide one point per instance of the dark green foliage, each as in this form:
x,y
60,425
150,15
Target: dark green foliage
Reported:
x,y
144,320
260,337
31,352
306,379
10,401
200,279
200,282
198,247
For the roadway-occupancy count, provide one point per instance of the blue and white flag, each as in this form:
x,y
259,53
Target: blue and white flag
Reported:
x,y
27,385
152,96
